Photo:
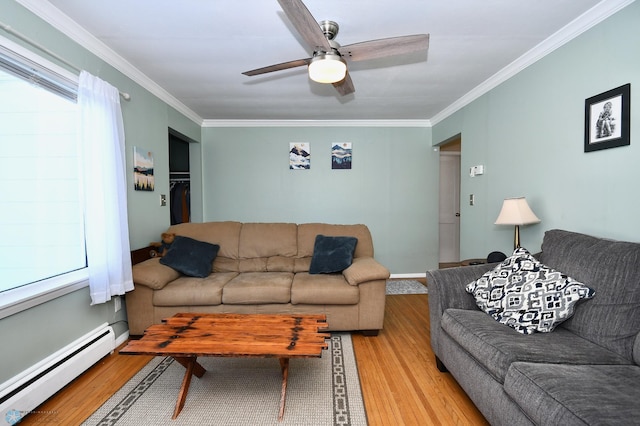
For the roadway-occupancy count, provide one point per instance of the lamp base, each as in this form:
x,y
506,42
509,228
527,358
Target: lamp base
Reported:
x,y
516,238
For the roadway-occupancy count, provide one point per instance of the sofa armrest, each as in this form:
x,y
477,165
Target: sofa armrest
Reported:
x,y
365,269
446,288
153,274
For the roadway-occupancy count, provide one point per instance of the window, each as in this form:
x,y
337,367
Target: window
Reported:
x,y
41,212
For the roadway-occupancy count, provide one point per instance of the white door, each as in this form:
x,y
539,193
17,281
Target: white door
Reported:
x,y
449,207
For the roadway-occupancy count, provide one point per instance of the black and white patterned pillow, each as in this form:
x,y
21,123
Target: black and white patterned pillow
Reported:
x,y
527,295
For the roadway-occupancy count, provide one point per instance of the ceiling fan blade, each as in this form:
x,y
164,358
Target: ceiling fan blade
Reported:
x,y
305,23
345,86
384,47
278,67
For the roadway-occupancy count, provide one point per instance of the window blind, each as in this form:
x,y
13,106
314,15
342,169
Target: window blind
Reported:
x,y
26,69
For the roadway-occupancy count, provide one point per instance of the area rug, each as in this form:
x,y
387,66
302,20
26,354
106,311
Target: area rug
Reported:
x,y
405,287
244,391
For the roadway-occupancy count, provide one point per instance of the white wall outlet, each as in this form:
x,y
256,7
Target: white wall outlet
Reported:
x,y
117,303
163,200
472,199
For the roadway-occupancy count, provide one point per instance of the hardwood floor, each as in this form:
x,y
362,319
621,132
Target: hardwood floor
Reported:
x,y
400,382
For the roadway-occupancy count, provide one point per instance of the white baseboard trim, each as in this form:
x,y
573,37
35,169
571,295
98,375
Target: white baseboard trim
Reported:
x,y
408,276
122,338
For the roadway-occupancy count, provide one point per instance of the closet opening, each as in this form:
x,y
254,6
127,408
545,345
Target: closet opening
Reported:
x,y
179,178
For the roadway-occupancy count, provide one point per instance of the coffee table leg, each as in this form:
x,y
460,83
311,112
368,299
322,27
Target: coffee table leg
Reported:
x,y
198,370
284,364
192,366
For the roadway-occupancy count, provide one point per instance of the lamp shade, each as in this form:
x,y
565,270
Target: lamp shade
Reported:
x,y
327,68
516,211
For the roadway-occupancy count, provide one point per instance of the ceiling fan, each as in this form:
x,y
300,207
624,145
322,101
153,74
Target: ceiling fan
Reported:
x,y
328,64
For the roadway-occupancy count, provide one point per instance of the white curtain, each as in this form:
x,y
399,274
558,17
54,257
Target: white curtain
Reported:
x,y
105,191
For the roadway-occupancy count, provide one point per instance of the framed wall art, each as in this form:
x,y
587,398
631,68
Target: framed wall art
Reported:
x,y
607,119
299,156
341,155
143,179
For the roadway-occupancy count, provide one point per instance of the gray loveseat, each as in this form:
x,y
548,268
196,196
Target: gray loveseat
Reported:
x,y
585,372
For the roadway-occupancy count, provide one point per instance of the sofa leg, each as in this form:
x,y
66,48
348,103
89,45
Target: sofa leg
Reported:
x,y
440,365
370,333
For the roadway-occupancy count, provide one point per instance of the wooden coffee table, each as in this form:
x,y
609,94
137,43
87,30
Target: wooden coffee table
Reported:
x,y
185,337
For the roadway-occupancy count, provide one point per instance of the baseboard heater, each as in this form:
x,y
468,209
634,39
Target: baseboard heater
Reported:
x,y
26,391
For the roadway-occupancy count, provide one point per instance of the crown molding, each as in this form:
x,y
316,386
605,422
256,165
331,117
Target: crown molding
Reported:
x,y
54,17
582,23
316,123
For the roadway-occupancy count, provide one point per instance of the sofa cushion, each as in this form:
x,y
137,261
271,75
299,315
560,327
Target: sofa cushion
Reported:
x,y
249,288
307,233
552,394
268,239
302,264
193,291
612,269
191,257
267,264
280,264
527,295
327,289
332,254
224,234
255,264
151,273
497,346
225,264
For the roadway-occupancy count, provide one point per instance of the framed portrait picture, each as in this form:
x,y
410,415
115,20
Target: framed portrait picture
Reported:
x,y
607,119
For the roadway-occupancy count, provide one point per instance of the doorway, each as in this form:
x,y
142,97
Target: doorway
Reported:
x,y
449,201
179,178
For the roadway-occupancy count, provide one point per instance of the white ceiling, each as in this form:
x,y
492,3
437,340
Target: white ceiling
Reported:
x,y
196,51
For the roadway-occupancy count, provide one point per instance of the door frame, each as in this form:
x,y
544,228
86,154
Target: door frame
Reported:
x,y
451,148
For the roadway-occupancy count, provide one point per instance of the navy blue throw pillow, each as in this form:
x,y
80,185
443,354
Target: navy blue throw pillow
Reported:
x,y
332,254
190,257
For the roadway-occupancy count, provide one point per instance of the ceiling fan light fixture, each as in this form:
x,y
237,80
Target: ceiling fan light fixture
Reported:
x,y
327,68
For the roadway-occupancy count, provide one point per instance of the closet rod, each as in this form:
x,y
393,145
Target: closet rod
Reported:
x,y
40,47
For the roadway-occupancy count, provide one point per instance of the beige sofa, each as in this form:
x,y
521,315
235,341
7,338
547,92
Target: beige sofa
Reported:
x,y
264,268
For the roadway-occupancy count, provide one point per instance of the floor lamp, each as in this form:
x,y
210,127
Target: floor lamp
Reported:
x,y
516,211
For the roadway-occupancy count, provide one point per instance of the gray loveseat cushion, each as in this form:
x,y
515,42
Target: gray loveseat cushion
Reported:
x,y
612,269
497,346
553,394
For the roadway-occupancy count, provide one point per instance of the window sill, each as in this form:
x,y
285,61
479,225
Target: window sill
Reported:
x,y
28,296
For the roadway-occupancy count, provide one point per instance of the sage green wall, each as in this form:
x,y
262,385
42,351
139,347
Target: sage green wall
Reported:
x,y
392,187
529,134
38,332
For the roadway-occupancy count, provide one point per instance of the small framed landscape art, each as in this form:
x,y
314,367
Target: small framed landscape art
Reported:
x,y
299,156
341,154
607,119
143,179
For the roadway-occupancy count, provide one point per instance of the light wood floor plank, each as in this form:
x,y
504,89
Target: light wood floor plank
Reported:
x,y
400,382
